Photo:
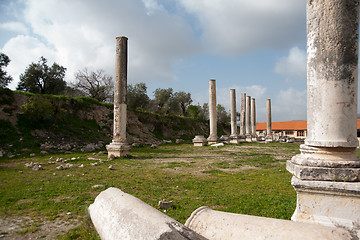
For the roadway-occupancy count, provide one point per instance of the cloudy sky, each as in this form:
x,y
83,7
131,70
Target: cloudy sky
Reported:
x,y
257,47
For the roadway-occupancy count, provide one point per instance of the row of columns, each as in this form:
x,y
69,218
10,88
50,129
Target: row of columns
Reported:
x,y
247,117
326,173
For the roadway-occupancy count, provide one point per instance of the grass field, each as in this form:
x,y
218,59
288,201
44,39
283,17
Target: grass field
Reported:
x,y
248,178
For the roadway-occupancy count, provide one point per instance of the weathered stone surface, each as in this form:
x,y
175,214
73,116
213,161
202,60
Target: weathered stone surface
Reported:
x,y
332,67
327,172
233,114
248,129
119,146
218,225
243,115
213,138
165,204
334,204
117,215
199,141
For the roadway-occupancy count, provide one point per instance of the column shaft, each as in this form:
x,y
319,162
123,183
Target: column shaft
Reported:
x,y
253,118
243,115
268,117
212,112
233,113
119,147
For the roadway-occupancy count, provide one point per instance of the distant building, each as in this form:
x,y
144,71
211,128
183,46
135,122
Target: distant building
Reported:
x,y
296,129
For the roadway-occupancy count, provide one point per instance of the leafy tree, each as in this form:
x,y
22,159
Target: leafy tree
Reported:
x,y
4,79
137,97
162,97
222,115
194,111
97,85
40,78
183,100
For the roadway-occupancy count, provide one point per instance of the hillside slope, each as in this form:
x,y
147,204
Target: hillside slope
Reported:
x,y
31,123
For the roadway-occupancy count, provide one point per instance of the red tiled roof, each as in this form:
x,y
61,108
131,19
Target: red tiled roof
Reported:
x,y
290,125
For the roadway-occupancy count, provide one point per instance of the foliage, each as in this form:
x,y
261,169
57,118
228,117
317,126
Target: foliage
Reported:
x,y
182,101
168,102
4,78
162,97
6,96
222,115
198,112
38,110
137,98
42,79
95,84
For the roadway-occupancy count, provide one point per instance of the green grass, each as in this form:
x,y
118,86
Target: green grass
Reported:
x,y
189,176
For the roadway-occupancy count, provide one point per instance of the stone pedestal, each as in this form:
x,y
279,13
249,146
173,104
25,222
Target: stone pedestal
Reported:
x,y
199,141
327,171
119,147
212,139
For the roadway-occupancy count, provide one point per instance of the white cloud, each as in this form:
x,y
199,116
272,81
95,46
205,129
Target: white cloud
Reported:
x,y
152,6
236,27
292,66
82,34
23,50
16,27
289,104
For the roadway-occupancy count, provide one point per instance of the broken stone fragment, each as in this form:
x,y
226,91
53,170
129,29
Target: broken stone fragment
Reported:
x,y
165,204
61,167
111,167
29,165
37,167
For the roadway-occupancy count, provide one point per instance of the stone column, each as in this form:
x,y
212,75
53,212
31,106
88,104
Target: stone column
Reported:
x,y
243,116
234,135
212,112
119,147
248,129
327,172
253,120
268,137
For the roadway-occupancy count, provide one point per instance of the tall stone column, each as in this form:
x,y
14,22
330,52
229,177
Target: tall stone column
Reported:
x,y
327,171
248,129
119,147
268,137
242,117
212,112
234,135
253,120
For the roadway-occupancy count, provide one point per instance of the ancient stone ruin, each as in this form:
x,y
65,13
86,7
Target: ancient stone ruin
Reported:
x,y
119,146
326,174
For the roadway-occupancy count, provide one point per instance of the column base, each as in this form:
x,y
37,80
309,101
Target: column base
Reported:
x,y
118,149
212,140
199,141
248,138
268,139
325,164
234,139
333,204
